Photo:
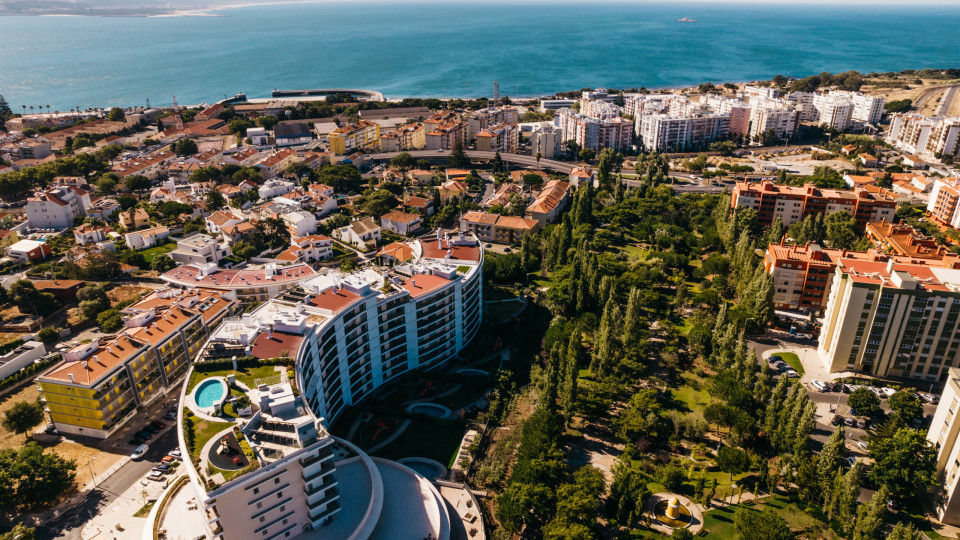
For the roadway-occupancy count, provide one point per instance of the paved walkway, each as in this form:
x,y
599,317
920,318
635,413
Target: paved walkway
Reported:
x,y
116,521
182,517
391,438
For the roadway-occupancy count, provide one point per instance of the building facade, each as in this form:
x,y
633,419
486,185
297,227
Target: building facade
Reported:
x,y
793,203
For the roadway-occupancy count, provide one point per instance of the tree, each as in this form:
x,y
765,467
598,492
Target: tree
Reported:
x,y
49,335
458,158
681,534
162,263
31,301
901,531
4,108
869,525
33,479
865,403
215,200
402,161
110,320
832,456
905,463
20,531
115,115
173,208
766,525
733,460
184,147
906,406
267,122
587,154
532,180
724,148
841,230
106,185
23,417
137,183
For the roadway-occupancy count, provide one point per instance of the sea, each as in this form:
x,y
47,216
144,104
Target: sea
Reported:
x,y
455,49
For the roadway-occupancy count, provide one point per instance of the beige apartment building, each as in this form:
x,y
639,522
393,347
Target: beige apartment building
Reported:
x,y
892,319
943,435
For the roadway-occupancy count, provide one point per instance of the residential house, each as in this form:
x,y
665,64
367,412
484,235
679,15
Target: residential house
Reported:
x,y
549,203
868,160
220,219
499,138
396,252
102,208
134,219
180,171
914,162
199,249
29,251
307,249
421,205
237,231
242,158
401,222
300,223
151,166
497,228
275,188
453,189
65,290
362,233
146,238
89,234
274,164
57,207
421,177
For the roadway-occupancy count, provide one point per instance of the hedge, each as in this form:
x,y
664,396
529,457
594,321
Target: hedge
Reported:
x,y
9,346
221,364
28,371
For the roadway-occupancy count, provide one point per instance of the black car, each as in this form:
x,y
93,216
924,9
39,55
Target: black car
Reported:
x,y
837,420
151,428
136,441
143,434
158,424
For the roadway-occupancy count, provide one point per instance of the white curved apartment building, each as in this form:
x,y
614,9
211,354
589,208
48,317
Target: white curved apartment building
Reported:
x,y
349,334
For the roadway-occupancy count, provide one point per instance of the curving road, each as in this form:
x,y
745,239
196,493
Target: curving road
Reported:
x,y
929,93
515,159
943,108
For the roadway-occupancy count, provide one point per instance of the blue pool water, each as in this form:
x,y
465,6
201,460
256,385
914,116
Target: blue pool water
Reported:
x,y
209,392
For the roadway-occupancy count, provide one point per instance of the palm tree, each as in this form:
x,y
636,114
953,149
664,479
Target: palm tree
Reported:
x,y
31,109
24,109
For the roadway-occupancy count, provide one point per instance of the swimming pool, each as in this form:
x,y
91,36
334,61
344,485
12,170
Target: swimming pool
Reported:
x,y
209,393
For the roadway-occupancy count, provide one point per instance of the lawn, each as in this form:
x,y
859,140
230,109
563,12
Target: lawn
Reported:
x,y
792,359
426,439
203,431
246,376
150,254
692,396
719,522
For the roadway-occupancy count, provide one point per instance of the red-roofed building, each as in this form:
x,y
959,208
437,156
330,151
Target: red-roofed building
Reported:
x,y
401,222
424,284
792,203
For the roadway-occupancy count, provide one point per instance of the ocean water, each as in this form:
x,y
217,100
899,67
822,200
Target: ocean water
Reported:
x,y
455,50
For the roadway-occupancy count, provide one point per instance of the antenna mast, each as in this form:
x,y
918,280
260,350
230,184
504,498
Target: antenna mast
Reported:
x,y
496,93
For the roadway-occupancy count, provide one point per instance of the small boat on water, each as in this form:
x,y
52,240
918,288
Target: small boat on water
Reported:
x,y
686,19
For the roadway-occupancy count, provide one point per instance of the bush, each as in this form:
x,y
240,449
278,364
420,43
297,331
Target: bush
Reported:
x,y
110,321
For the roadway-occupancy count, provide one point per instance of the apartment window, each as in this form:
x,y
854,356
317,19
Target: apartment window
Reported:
x,y
276,480
280,495
262,519
259,504
256,490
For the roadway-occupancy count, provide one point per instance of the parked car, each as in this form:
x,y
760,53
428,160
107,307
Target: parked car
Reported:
x,y
139,452
170,416
775,358
819,385
848,388
837,420
791,374
143,434
136,441
162,468
863,445
155,476
851,460
158,424
168,459
850,421
175,453
888,391
929,398
862,423
151,428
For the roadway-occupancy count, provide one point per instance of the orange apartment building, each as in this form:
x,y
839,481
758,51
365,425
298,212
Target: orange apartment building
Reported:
x,y
793,203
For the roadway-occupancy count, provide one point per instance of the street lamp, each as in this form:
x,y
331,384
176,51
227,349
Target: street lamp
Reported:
x,y
90,466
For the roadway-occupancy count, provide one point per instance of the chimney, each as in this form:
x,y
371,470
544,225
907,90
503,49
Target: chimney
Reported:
x,y
71,377
413,281
84,364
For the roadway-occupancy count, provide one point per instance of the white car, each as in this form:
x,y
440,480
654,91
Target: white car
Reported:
x,y
818,385
155,476
863,445
139,452
888,391
791,374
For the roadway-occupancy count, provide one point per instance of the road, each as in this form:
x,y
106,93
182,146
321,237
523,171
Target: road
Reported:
x,y
927,94
944,106
70,523
515,159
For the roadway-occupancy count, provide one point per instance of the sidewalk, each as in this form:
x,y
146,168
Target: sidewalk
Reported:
x,y
104,525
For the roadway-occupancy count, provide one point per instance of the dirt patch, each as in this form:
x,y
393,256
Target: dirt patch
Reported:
x,y
87,457
10,313
126,293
